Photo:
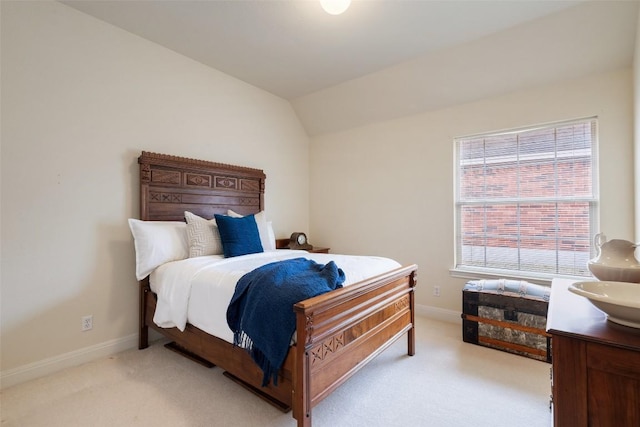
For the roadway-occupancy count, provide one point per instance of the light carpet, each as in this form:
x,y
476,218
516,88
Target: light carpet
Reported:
x,y
447,383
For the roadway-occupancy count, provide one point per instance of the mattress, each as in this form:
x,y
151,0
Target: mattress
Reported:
x,y
198,290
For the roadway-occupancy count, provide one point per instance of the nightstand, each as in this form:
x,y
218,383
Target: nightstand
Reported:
x,y
284,244
319,250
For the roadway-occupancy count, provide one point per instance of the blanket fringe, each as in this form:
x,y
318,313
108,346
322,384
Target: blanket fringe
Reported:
x,y
240,339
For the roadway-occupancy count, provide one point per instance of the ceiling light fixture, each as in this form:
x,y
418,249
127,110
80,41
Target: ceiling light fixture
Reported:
x,y
335,7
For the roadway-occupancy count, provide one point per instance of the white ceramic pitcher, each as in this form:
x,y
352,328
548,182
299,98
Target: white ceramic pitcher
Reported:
x,y
615,260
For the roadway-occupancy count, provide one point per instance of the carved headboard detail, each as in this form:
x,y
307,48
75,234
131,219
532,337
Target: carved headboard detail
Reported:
x,y
170,185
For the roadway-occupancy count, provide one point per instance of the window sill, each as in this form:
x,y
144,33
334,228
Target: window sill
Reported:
x,y
541,279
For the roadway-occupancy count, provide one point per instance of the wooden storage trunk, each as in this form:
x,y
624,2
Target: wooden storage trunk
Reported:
x,y
508,315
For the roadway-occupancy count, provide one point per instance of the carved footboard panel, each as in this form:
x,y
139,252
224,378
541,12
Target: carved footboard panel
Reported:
x,y
339,332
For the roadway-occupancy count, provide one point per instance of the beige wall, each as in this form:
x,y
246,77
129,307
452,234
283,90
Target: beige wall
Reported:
x,y
80,100
387,189
636,116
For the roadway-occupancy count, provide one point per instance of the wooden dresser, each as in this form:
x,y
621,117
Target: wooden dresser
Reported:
x,y
595,364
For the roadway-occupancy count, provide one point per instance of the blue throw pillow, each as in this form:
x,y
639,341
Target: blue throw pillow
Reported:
x,y
239,236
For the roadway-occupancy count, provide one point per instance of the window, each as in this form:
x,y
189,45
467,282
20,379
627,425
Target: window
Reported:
x,y
526,200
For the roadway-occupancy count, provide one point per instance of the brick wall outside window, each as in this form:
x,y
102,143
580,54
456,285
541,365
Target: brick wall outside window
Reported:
x,y
526,200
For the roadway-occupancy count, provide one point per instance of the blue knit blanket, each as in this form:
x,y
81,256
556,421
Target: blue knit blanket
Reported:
x,y
261,314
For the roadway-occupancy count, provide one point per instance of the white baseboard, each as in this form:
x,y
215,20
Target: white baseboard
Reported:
x,y
88,354
67,360
438,313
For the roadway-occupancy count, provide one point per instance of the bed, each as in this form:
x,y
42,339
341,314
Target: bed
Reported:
x,y
337,333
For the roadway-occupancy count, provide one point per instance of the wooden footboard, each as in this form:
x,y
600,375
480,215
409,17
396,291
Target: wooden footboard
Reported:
x,y
337,334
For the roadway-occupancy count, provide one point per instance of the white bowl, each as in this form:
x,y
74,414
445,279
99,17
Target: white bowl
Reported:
x,y
616,274
619,300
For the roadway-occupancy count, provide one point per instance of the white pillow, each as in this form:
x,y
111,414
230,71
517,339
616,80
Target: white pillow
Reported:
x,y
272,236
203,234
265,229
158,242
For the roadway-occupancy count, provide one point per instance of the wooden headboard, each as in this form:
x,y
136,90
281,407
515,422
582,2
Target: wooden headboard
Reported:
x,y
170,185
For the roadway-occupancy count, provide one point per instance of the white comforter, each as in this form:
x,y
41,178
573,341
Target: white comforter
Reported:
x,y
198,290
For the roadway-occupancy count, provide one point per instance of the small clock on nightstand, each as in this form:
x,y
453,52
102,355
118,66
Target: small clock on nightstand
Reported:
x,y
299,241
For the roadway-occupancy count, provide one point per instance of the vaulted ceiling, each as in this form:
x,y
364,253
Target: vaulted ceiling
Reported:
x,y
384,59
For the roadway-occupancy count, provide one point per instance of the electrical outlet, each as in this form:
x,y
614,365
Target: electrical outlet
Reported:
x,y
436,291
87,322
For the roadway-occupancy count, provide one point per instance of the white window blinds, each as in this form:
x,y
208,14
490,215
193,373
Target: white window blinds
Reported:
x,y
527,201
